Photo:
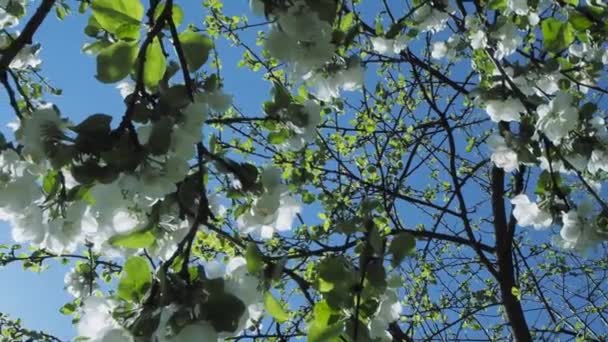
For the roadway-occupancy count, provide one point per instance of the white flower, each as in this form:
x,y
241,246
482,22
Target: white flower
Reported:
x,y
386,46
6,19
547,84
28,225
349,79
238,282
273,210
27,57
37,130
578,231
502,156
529,214
440,49
557,118
601,131
382,45
389,310
505,110
126,88
304,123
78,284
533,18
508,40
478,40
519,7
598,161
301,39
96,322
64,234
352,78
430,19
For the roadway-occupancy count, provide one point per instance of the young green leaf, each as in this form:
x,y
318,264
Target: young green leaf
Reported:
x,y
196,48
115,62
155,66
138,239
135,279
274,308
112,14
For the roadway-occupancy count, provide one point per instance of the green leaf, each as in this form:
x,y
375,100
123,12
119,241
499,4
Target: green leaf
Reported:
x,y
51,183
579,21
324,333
320,329
274,308
115,62
254,258
403,244
279,137
176,13
497,5
141,238
196,48
95,47
112,14
556,34
135,279
68,308
155,66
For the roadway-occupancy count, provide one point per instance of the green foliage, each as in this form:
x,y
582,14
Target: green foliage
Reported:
x,y
557,35
118,16
196,48
135,279
325,325
116,61
142,238
275,308
254,259
155,64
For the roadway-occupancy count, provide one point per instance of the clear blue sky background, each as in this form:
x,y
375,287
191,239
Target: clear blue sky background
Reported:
x,y
36,298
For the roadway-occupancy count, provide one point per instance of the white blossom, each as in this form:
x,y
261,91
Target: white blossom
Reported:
x,y
97,324
304,124
578,230
478,39
505,110
439,50
387,46
430,19
389,310
529,214
598,161
272,211
557,118
37,130
519,7
508,40
502,156
77,284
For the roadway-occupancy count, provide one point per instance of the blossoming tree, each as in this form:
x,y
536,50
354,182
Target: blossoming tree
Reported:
x,y
385,193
